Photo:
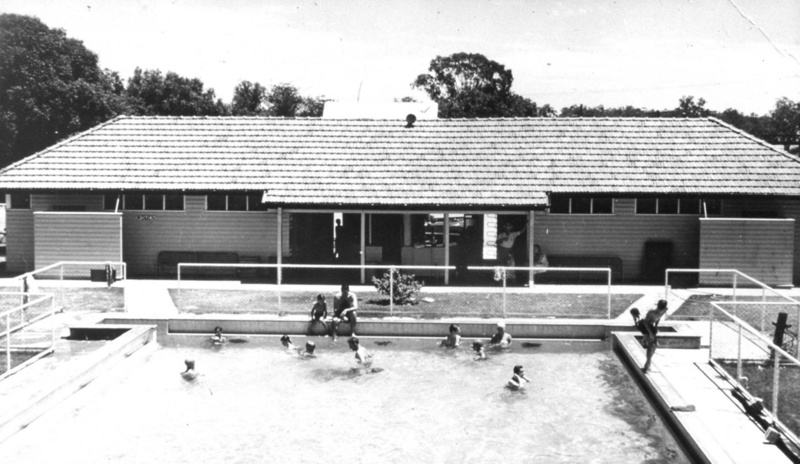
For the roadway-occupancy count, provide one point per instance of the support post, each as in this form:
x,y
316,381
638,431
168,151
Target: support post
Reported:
x,y
279,258
363,249
446,231
530,249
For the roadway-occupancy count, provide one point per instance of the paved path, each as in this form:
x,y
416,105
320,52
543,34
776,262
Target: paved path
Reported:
x,y
149,298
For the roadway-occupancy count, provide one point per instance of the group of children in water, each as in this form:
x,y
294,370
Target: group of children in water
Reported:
x,y
501,340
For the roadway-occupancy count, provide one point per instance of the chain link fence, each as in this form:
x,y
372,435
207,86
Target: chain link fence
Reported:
x,y
767,374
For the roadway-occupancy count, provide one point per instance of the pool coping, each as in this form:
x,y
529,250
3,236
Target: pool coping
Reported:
x,y
18,412
698,407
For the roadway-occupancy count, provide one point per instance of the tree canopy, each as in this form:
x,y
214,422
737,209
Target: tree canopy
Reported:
x,y
50,87
152,93
469,85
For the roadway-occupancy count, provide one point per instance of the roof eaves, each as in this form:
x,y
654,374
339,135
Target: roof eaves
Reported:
x,y
753,138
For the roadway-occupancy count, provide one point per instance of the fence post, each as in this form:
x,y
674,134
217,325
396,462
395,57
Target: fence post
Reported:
x,y
739,356
609,294
8,341
776,376
734,285
52,326
504,292
61,283
391,290
711,331
763,309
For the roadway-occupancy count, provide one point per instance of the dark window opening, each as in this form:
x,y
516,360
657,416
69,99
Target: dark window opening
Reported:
x,y
20,201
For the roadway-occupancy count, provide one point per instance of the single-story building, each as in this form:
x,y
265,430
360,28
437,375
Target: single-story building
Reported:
x,y
639,194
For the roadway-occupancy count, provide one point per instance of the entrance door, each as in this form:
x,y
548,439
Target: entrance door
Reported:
x,y
387,233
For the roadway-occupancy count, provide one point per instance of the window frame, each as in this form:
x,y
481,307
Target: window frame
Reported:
x,y
592,208
249,200
680,210
144,201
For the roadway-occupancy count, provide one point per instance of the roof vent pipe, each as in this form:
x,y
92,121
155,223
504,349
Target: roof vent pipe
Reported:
x,y
410,120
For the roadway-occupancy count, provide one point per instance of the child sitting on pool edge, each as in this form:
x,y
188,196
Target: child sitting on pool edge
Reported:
x,y
453,340
516,380
318,314
481,354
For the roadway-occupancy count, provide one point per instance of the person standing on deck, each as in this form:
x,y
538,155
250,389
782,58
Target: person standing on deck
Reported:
x,y
649,328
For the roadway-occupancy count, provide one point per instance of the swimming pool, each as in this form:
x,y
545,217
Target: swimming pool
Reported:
x,y
254,402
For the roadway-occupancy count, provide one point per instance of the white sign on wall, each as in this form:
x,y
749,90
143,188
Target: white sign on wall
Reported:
x,y
489,236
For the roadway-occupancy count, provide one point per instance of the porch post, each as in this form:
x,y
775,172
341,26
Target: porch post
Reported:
x,y
446,247
279,259
530,248
363,249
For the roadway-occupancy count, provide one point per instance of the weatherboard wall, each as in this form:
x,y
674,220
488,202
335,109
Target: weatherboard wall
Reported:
x,y
77,236
247,233
19,241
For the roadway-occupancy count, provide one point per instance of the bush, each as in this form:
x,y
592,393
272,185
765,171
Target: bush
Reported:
x,y
406,287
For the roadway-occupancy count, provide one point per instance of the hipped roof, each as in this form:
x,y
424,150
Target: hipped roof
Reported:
x,y
451,162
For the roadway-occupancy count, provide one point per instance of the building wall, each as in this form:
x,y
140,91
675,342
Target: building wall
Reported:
x,y
147,232
59,236
622,235
19,241
756,247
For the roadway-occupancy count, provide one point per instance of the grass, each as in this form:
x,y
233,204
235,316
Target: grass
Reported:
x,y
455,304
760,378
698,307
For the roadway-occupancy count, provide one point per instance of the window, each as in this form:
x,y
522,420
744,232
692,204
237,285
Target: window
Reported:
x,y
235,202
680,205
581,205
148,201
20,201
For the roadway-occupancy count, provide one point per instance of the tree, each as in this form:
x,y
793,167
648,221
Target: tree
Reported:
x,y
152,93
471,85
785,119
249,99
50,87
689,109
285,100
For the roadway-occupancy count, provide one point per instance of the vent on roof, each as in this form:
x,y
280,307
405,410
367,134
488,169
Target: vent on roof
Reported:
x,y
410,120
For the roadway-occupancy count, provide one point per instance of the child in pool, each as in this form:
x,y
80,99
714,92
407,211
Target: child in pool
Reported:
x,y
217,338
363,356
516,380
453,340
189,374
479,351
309,351
287,343
501,339
318,314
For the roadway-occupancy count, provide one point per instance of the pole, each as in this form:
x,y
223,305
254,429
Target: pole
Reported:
x,y
391,291
504,293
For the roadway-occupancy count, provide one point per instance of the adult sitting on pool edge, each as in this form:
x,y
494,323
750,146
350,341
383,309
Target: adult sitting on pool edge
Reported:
x,y
345,304
501,339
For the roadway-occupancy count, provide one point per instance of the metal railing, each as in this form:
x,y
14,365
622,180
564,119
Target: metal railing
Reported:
x,y
68,270
756,312
762,368
190,298
13,322
501,273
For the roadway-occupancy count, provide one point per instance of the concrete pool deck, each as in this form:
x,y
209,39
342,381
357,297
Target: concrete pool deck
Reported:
x,y
691,394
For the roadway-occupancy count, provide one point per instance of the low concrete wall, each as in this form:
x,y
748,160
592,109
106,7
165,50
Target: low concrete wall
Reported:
x,y
661,395
78,377
670,335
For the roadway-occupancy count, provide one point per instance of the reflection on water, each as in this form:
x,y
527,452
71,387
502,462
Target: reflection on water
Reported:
x,y
257,403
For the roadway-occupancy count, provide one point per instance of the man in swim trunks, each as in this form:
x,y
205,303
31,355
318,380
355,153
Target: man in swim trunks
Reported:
x,y
648,326
345,304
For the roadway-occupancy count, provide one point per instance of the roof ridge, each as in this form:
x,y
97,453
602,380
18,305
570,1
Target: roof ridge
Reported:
x,y
65,141
753,138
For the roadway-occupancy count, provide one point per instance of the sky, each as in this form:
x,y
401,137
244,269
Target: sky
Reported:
x,y
742,54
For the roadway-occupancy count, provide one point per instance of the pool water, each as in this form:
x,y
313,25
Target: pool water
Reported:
x,y
255,403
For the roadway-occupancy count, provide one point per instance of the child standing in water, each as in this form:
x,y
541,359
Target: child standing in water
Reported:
x,y
516,380
189,374
363,356
287,343
318,314
453,340
217,338
309,351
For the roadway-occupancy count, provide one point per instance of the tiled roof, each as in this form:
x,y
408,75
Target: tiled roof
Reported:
x,y
445,162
